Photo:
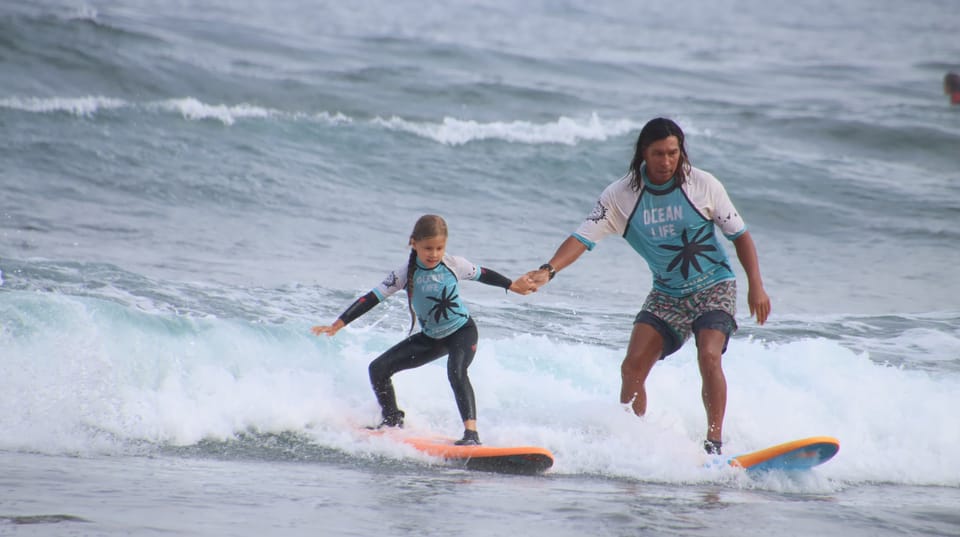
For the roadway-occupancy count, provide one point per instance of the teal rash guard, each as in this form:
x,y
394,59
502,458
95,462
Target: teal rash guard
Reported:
x,y
674,228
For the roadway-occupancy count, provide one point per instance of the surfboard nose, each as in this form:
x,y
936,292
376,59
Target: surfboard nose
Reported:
x,y
796,455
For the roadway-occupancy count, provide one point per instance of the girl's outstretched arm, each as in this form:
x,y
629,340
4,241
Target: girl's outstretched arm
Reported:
x,y
358,308
492,277
328,330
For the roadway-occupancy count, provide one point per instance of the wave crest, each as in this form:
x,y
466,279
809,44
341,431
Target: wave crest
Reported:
x,y
565,130
78,106
449,131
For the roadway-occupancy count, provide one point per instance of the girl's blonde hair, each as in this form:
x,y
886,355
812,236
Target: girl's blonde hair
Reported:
x,y
428,226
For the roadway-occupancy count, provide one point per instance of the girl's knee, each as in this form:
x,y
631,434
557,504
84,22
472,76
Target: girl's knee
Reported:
x,y
378,371
457,375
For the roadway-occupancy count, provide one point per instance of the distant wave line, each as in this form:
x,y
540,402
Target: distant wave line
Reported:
x,y
189,107
448,131
452,131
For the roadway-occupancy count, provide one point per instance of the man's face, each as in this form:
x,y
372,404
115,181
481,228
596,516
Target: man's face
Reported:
x,y
662,157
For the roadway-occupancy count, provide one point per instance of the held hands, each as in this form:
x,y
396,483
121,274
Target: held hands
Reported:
x,y
524,285
530,282
539,277
328,330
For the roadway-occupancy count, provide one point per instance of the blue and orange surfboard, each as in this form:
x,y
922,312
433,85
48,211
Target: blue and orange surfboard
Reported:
x,y
800,454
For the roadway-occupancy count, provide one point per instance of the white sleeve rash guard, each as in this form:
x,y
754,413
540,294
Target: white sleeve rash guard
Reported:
x,y
672,228
436,293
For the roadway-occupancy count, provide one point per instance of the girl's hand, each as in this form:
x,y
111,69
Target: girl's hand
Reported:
x,y
328,330
524,285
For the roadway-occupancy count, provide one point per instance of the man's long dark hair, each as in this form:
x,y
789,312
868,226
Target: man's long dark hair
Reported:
x,y
655,130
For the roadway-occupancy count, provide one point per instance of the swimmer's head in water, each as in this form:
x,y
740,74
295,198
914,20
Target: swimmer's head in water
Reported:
x,y
951,83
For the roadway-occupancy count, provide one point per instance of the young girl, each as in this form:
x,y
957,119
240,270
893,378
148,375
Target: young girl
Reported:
x,y
430,277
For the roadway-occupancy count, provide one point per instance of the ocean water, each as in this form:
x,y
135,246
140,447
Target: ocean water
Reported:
x,y
187,187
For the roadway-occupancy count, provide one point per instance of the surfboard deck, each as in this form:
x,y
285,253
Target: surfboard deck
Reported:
x,y
801,454
523,460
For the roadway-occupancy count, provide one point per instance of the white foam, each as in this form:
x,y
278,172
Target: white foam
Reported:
x,y
83,12
449,131
78,106
334,119
564,130
194,109
84,374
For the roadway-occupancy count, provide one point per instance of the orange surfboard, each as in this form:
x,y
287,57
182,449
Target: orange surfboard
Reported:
x,y
503,459
800,454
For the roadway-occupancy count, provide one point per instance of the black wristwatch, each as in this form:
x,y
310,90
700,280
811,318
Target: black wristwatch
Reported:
x,y
549,268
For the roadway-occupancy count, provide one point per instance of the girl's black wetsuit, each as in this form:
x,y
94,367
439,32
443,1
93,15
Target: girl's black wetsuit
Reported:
x,y
447,329
420,349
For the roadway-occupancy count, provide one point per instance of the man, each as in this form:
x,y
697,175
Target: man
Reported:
x,y
951,87
668,211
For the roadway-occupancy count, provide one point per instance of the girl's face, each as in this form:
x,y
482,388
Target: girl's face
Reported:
x,y
430,250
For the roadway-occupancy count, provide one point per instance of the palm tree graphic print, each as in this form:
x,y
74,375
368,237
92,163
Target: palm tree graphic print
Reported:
x,y
690,250
443,304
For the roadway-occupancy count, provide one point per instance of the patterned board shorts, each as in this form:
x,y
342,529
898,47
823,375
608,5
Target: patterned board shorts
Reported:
x,y
675,318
